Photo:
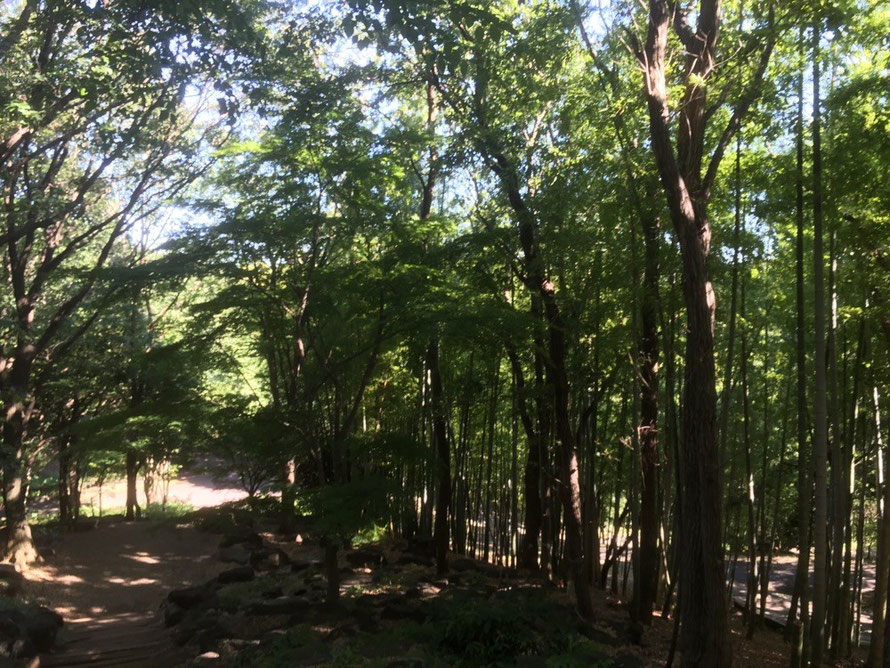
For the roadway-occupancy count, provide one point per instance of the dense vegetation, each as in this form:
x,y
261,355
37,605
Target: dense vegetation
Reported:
x,y
553,283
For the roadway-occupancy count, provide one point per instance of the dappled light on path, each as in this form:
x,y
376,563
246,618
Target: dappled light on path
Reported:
x,y
108,583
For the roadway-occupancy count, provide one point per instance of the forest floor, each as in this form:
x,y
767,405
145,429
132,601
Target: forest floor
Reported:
x,y
111,581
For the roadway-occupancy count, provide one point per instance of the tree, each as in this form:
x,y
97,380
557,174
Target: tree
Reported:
x,y
94,98
687,183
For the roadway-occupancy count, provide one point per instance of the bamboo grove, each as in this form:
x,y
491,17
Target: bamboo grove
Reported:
x,y
598,290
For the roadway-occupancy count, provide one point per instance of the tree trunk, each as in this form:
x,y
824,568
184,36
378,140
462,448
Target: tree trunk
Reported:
x,y
751,586
443,459
882,561
332,571
648,429
288,518
65,510
703,634
800,597
134,512
820,408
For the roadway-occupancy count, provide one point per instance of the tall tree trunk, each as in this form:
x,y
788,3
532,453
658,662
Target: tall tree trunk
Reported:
x,y
837,457
439,434
800,597
687,182
555,364
648,429
820,408
751,585
528,549
733,309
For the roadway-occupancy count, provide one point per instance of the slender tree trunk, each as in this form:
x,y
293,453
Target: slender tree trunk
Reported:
x,y
288,519
133,510
443,459
770,546
648,429
751,586
800,596
555,363
332,571
882,561
65,510
820,407
837,457
726,392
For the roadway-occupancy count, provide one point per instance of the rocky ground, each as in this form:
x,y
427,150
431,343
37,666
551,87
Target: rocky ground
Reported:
x,y
220,587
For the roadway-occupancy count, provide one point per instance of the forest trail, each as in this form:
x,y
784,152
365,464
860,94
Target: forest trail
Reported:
x,y
782,585
108,582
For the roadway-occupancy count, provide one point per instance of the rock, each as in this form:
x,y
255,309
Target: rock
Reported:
x,y
301,565
235,554
462,565
12,582
41,627
274,592
204,628
252,627
283,605
415,559
366,557
173,613
423,546
242,535
268,559
28,630
237,574
189,597
627,660
401,608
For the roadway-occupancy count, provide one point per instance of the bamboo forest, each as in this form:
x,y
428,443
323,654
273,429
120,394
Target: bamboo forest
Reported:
x,y
432,333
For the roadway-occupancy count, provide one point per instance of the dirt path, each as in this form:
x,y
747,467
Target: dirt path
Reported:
x,y
109,580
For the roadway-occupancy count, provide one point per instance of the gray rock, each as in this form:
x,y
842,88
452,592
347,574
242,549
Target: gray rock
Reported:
x,y
237,574
463,565
268,559
173,613
190,597
366,557
415,559
12,582
401,608
300,565
28,630
235,554
242,536
283,605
